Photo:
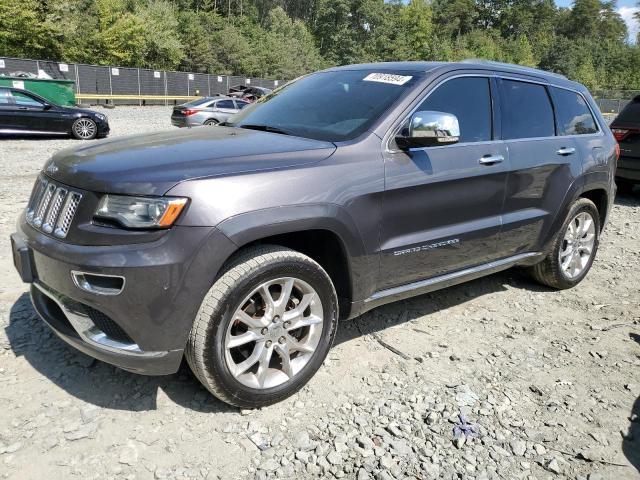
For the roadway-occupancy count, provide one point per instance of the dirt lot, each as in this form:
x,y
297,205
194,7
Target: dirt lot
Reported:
x,y
548,383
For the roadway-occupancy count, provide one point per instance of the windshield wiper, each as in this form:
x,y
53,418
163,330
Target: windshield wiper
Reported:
x,y
265,128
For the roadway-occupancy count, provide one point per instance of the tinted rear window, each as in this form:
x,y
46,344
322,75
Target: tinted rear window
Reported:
x,y
630,114
526,111
574,116
225,104
469,99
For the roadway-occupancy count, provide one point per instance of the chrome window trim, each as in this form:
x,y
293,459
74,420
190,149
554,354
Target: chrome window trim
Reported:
x,y
393,130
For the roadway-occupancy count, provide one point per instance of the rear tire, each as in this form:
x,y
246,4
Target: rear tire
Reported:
x,y
251,349
567,264
211,122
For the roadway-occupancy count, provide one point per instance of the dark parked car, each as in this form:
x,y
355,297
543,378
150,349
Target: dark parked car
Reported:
x,y
250,94
241,247
206,111
626,129
25,113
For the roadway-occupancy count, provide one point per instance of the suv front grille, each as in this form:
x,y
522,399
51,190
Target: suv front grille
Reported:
x,y
52,207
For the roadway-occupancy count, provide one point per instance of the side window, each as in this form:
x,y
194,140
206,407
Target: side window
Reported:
x,y
469,99
526,111
225,104
25,100
574,116
5,97
240,104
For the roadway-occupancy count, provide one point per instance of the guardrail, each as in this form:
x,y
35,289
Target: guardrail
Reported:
x,y
141,99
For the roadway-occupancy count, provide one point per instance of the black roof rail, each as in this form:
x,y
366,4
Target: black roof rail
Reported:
x,y
512,66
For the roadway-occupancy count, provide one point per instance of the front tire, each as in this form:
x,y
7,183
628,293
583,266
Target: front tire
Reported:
x,y
573,250
264,328
84,129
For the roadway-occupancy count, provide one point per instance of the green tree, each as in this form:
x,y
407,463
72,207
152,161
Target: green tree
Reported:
x,y
23,32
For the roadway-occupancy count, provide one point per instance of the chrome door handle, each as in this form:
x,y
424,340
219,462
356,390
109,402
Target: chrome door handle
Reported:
x,y
566,151
491,159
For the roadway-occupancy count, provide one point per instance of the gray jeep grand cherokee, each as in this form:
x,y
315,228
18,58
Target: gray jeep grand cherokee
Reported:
x,y
240,247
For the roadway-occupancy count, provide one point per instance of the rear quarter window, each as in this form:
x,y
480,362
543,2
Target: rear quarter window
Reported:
x,y
526,110
572,112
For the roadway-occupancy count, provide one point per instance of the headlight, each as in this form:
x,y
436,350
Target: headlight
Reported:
x,y
140,212
100,116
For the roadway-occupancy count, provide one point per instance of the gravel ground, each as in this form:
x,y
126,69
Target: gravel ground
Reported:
x,y
498,378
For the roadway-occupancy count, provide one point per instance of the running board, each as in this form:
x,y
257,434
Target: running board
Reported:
x,y
446,280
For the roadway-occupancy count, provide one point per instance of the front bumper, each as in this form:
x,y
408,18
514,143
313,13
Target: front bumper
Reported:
x,y
103,129
144,327
76,328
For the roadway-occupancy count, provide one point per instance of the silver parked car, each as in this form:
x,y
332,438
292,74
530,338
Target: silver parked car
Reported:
x,y
206,111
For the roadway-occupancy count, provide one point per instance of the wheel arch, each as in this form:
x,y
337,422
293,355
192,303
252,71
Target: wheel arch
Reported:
x,y
593,186
325,233
600,197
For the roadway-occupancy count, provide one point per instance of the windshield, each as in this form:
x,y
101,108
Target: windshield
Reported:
x,y
334,106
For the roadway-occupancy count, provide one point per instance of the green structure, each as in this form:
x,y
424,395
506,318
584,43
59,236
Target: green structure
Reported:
x,y
60,92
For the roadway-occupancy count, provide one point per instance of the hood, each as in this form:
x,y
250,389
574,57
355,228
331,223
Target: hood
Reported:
x,y
151,164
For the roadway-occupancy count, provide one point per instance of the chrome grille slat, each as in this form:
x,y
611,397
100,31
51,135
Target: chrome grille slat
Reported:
x,y
36,195
52,207
44,203
66,216
54,210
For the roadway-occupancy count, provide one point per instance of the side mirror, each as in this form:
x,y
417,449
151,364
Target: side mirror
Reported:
x,y
429,129
46,106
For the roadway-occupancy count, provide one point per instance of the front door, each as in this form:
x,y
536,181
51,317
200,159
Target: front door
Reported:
x,y
442,205
31,114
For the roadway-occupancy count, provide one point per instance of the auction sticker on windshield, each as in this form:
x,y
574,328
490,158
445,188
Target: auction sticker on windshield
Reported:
x,y
387,78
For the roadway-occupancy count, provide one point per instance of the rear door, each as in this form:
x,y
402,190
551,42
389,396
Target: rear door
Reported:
x,y
575,119
543,164
442,204
224,109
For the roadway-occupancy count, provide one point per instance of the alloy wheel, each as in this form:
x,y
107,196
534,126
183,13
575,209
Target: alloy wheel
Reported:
x,y
577,245
85,129
274,333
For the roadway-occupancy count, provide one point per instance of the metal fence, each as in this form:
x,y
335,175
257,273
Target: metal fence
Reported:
x,y
612,101
109,80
